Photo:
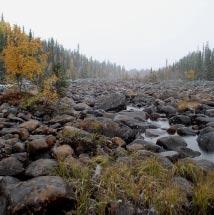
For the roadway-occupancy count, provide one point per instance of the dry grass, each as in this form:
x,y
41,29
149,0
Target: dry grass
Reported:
x,y
203,198
184,105
189,170
144,183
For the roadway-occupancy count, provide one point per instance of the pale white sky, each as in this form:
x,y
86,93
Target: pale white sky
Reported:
x,y
135,33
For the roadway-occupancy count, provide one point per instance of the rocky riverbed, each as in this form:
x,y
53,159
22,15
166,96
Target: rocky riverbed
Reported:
x,y
172,121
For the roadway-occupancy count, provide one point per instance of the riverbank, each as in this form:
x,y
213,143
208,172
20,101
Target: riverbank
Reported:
x,y
111,147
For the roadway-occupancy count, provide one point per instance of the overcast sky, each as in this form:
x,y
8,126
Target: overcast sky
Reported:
x,y
135,33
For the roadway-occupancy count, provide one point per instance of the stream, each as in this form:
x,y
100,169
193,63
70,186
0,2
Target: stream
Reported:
x,y
163,125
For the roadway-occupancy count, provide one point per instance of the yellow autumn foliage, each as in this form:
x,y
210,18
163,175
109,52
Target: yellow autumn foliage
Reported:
x,y
49,92
190,75
24,57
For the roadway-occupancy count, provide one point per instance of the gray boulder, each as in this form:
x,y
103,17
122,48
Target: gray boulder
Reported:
x,y
41,167
113,101
10,167
171,142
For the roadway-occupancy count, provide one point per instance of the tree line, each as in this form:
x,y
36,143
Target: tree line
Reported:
x,y
197,65
23,56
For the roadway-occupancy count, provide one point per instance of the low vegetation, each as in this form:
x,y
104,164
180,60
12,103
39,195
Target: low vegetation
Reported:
x,y
141,182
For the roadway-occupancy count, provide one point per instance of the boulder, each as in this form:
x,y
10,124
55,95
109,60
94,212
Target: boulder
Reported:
x,y
187,152
62,152
171,155
140,144
186,131
41,195
154,132
108,127
171,143
37,145
133,119
80,140
167,109
180,119
41,167
206,141
10,167
113,101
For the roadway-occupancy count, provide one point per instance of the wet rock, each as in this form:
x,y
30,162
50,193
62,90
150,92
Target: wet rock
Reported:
x,y
10,167
21,156
173,129
133,119
185,131
204,120
206,130
167,109
171,142
171,155
180,119
114,101
40,195
30,125
154,132
206,141
62,152
187,152
41,167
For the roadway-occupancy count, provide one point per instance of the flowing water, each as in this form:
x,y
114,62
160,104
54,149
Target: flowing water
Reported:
x,y
163,125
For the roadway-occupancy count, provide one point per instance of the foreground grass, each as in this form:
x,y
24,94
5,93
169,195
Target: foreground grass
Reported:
x,y
145,183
